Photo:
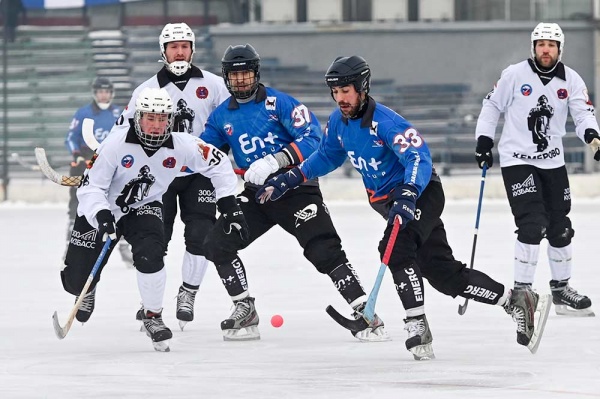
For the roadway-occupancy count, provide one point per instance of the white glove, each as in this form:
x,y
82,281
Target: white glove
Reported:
x,y
258,172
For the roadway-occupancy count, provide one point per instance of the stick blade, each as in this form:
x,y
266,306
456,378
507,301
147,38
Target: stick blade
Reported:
x,y
349,324
87,131
60,331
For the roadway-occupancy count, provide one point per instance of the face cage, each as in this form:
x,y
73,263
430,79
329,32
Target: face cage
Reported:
x,y
241,95
177,68
152,140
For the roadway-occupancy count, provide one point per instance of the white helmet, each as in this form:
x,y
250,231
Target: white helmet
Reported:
x,y
548,31
175,33
155,101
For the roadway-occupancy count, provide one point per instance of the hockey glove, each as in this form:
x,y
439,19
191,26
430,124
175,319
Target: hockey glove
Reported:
x,y
592,139
77,159
483,151
279,185
233,217
260,169
405,198
106,225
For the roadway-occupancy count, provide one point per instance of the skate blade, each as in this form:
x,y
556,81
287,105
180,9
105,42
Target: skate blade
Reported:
x,y
182,324
565,310
423,352
162,346
243,334
542,311
377,335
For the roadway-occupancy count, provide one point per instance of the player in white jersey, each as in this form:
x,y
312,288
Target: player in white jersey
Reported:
x,y
535,96
121,195
195,94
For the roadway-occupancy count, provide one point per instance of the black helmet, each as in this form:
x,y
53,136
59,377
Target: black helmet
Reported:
x,y
241,58
349,70
102,83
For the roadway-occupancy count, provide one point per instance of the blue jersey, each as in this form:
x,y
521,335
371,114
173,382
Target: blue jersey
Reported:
x,y
272,122
103,122
382,146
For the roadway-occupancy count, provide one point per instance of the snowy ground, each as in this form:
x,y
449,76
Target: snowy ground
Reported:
x,y
309,356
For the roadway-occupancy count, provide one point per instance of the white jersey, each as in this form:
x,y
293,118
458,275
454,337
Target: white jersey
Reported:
x,y
535,115
201,95
123,176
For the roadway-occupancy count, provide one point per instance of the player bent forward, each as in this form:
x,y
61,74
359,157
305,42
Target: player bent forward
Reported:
x,y
401,184
120,196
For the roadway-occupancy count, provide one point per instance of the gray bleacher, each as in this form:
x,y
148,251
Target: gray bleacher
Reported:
x,y
50,71
49,77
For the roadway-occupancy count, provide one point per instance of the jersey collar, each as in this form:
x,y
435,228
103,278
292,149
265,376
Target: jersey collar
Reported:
x,y
367,116
165,77
261,95
559,71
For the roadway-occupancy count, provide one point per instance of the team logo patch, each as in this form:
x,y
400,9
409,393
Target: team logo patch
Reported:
x,y
127,161
270,103
228,129
169,163
526,90
562,93
202,92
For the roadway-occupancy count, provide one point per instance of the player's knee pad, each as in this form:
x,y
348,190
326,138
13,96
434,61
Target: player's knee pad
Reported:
x,y
148,256
72,279
195,233
217,251
531,233
560,235
325,253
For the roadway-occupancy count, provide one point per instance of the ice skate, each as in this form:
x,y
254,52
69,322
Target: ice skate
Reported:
x,y
139,315
419,338
157,331
185,306
530,311
568,302
126,254
87,306
242,325
376,330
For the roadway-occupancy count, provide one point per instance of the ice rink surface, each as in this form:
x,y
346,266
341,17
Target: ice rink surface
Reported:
x,y
309,356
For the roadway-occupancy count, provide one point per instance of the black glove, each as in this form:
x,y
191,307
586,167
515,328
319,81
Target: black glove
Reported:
x,y
275,187
483,151
233,217
106,225
592,139
405,198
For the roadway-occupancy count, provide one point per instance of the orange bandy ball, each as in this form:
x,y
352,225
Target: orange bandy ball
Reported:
x,y
276,321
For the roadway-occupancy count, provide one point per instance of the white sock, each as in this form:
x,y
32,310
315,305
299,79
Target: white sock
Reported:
x,y
526,258
193,268
152,289
560,260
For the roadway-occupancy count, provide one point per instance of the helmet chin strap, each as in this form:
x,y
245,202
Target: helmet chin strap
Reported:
x,y
543,70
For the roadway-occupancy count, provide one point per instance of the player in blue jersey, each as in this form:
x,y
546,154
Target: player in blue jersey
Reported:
x,y
395,164
268,131
104,113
